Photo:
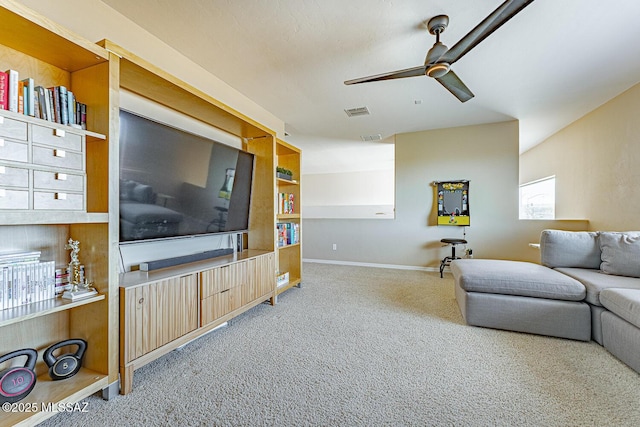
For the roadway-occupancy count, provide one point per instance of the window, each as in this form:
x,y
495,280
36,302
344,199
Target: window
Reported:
x,y
538,199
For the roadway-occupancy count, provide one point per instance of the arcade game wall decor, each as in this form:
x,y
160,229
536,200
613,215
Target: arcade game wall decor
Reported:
x,y
453,202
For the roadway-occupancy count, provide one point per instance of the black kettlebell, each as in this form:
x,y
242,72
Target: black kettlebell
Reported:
x,y
18,381
65,365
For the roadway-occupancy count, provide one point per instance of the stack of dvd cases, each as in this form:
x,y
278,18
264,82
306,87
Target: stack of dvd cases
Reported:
x,y
24,279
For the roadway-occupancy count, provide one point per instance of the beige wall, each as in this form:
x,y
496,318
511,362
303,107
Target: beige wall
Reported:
x,y
364,194
487,155
95,21
595,161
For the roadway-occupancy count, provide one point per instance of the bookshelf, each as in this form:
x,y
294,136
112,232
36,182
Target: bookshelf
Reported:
x,y
50,54
53,56
289,255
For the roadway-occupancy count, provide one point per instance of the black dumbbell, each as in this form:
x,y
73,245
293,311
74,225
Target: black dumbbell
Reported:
x,y
18,381
65,365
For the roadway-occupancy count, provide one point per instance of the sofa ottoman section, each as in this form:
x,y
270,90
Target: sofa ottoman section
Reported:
x,y
621,324
521,296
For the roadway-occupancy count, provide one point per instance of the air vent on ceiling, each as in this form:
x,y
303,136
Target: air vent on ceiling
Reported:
x,y
376,137
360,111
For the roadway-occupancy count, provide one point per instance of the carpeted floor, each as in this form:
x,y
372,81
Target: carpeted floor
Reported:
x,y
362,346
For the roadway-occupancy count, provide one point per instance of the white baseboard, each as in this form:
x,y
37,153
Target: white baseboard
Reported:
x,y
370,264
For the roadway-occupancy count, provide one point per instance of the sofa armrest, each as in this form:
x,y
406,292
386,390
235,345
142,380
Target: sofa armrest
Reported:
x,y
579,249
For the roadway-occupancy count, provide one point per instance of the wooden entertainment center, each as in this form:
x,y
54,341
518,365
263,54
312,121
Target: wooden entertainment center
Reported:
x,y
136,317
167,308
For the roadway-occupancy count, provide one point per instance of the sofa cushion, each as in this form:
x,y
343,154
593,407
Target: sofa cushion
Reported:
x,y
596,281
623,302
515,278
143,213
569,249
142,193
620,253
126,187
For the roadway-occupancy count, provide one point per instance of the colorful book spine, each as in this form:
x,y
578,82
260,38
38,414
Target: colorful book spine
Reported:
x,y
83,116
71,107
51,109
29,96
64,108
286,203
4,90
13,90
21,93
36,105
41,99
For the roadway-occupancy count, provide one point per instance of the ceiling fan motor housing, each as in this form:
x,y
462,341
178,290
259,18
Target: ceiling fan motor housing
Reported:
x,y
438,24
433,67
438,70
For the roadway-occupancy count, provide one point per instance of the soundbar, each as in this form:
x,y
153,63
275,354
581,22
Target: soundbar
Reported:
x,y
170,262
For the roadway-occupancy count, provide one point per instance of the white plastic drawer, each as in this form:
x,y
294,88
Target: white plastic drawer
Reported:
x,y
14,177
13,128
14,199
58,158
13,151
58,201
45,180
56,137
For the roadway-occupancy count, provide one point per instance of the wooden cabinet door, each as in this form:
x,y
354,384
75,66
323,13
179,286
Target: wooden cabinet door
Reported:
x,y
250,290
265,274
158,313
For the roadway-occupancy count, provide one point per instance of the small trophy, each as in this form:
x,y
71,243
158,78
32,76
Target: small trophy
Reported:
x,y
80,287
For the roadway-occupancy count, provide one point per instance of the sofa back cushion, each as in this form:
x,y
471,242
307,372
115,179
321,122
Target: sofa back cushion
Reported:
x,y
578,249
620,253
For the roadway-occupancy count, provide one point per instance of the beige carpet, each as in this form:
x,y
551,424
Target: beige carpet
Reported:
x,y
366,347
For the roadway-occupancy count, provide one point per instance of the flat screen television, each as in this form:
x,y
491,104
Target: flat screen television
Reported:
x,y
174,183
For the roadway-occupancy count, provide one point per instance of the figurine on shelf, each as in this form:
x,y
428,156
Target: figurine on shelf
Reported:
x,y
80,287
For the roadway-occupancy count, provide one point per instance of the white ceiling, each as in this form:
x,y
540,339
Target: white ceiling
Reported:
x,y
548,66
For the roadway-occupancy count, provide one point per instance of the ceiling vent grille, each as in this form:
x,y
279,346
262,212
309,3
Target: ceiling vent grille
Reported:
x,y
376,137
360,111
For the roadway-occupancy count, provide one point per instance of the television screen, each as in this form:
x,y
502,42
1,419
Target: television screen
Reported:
x,y
174,183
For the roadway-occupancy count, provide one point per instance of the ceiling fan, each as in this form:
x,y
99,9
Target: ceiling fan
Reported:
x,y
439,59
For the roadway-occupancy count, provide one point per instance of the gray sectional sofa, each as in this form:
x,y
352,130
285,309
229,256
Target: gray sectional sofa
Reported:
x,y
587,286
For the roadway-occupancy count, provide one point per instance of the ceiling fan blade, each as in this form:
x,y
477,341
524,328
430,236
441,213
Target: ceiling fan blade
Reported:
x,y
495,20
409,72
454,85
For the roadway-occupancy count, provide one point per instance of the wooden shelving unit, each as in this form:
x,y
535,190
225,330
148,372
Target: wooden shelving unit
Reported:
x,y
255,281
39,48
289,257
54,56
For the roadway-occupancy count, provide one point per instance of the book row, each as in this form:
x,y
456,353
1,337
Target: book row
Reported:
x,y
286,203
55,104
288,233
